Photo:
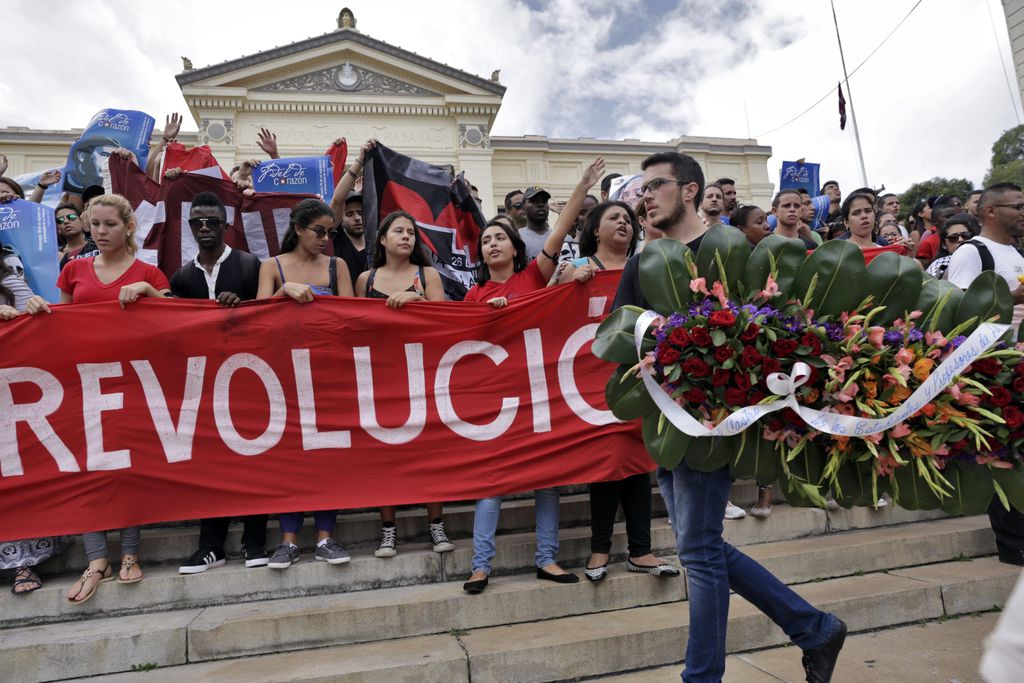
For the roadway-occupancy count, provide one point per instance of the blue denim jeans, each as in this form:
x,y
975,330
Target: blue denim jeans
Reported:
x,y
713,567
485,527
665,486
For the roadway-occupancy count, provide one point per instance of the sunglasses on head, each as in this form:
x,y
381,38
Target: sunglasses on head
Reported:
x,y
211,223
61,220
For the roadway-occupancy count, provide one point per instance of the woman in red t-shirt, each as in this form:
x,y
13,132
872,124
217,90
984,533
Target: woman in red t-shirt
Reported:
x,y
114,275
504,275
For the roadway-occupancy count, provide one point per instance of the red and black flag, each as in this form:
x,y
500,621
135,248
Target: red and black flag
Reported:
x,y
447,217
842,109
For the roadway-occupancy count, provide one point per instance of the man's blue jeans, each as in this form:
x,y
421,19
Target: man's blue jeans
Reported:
x,y
713,567
485,527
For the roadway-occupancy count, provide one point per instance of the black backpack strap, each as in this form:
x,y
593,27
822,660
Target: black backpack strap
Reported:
x,y
332,270
987,261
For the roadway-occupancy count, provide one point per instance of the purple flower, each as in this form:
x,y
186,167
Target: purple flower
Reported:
x,y
915,336
956,341
893,338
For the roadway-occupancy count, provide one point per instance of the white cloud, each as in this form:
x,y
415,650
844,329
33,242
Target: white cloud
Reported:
x,y
930,102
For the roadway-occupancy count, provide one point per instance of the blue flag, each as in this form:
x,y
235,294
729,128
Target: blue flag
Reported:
x,y
795,174
298,175
29,232
108,130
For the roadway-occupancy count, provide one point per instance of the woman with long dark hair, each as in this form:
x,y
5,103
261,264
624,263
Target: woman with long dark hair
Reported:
x,y
400,275
607,240
504,275
303,271
955,231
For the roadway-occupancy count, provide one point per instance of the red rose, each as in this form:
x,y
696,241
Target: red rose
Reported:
x,y
722,319
784,347
770,365
695,367
679,337
1019,369
735,397
1013,416
749,357
987,366
1018,383
756,396
668,356
1000,397
695,396
723,353
813,376
742,381
789,415
811,340
700,336
776,425
720,377
750,333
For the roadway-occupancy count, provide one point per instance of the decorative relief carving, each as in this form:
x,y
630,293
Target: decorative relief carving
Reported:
x,y
346,78
216,131
474,135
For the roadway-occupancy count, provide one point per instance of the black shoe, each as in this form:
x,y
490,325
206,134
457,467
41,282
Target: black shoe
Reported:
x,y
475,587
821,661
255,556
1012,557
557,578
201,560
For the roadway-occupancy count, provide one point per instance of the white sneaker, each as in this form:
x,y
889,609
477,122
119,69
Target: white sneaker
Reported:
x,y
882,502
734,512
387,542
439,539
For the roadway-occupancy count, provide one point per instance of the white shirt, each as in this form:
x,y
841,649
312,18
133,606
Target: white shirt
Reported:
x,y
965,265
211,277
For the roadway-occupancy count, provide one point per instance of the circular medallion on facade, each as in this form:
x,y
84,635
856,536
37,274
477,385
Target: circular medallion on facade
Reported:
x,y
346,77
216,131
473,136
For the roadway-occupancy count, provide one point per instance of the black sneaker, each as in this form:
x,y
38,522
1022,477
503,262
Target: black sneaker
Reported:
x,y
202,560
821,661
1012,557
255,556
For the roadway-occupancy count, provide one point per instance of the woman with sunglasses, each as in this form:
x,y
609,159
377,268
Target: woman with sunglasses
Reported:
x,y
400,275
71,228
303,271
954,232
504,275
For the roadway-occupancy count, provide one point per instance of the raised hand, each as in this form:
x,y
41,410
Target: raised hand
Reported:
x,y
127,154
593,172
267,141
365,149
172,124
48,178
3,164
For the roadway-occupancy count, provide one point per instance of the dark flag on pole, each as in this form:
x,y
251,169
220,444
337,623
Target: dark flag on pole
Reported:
x,y
842,109
448,219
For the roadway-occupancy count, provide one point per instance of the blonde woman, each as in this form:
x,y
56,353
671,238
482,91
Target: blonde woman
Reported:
x,y
112,275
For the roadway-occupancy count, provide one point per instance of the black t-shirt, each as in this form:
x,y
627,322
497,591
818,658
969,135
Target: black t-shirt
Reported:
x,y
88,249
354,258
238,274
629,292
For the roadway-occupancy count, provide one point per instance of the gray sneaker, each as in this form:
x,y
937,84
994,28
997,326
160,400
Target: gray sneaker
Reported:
x,y
331,552
285,556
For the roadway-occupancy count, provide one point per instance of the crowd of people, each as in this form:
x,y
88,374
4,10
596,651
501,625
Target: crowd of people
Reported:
x,y
324,253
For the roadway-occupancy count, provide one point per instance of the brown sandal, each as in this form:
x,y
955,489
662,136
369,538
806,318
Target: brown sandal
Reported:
x,y
106,574
126,565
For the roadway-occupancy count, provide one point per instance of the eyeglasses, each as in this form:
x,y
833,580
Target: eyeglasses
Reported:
x,y
1018,207
211,223
653,185
320,232
958,237
517,205
61,220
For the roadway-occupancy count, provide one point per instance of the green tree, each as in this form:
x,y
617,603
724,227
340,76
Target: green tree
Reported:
x,y
1009,147
1012,172
927,188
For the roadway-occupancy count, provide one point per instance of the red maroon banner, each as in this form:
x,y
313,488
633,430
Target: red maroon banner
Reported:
x,y
180,409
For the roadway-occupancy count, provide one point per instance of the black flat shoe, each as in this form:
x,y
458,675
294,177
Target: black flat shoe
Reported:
x,y
475,587
820,662
557,578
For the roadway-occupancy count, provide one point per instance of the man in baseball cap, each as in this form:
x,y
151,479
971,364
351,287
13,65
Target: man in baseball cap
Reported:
x,y
536,232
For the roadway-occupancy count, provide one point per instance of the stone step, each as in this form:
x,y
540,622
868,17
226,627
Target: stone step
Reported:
x,y
172,543
945,650
344,619
593,645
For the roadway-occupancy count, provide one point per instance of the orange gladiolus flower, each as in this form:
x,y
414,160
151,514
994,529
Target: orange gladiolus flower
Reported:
x,y
923,368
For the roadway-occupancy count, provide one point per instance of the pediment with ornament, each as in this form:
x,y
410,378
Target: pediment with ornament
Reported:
x,y
346,77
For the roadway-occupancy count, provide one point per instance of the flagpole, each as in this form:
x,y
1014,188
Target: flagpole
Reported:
x,y
849,94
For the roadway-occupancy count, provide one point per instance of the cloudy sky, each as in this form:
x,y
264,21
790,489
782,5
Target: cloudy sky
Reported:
x,y
930,102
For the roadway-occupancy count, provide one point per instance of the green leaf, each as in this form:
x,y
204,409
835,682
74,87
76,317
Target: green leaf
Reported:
x,y
614,339
988,296
841,273
756,459
938,302
664,278
1012,483
667,447
895,282
733,249
710,453
627,396
972,488
855,486
912,491
788,254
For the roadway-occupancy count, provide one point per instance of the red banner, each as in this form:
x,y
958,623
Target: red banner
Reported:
x,y
180,409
